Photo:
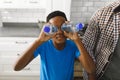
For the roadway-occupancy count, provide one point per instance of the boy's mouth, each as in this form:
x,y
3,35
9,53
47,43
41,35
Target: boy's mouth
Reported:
x,y
60,36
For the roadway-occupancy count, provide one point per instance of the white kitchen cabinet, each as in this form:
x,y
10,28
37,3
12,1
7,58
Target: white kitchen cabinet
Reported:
x,y
10,49
22,3
19,78
63,5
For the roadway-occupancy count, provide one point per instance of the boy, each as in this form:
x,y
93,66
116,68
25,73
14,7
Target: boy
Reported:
x,y
57,53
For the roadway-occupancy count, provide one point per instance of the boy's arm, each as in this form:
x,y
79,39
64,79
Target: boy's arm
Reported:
x,y
85,59
28,55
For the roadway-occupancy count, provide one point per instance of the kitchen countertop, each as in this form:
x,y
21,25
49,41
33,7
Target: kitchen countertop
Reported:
x,y
17,31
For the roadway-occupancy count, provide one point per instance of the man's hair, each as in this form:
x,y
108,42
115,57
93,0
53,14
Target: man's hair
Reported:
x,y
54,14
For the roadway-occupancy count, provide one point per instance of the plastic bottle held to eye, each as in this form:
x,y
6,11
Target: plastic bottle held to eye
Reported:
x,y
49,29
70,27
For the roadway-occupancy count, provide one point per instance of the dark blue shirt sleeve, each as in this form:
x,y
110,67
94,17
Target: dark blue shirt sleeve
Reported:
x,y
39,50
77,53
36,52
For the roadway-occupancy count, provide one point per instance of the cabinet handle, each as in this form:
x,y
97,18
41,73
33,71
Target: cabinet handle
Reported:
x,y
33,2
27,69
18,54
18,42
7,2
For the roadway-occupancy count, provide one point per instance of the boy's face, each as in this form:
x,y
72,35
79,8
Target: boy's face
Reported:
x,y
59,37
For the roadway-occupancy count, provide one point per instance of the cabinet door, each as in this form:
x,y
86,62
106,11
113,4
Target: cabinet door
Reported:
x,y
10,51
77,69
29,70
13,59
22,3
63,5
7,64
36,4
19,77
9,3
15,44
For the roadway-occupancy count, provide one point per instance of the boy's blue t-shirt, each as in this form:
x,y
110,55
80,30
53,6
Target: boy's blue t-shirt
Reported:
x,y
57,64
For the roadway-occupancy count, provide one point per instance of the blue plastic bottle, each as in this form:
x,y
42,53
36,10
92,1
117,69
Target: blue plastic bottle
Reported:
x,y
49,29
69,27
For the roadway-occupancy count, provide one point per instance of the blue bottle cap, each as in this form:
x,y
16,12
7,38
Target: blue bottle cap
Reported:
x,y
79,26
47,29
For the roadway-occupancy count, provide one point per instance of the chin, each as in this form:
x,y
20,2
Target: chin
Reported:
x,y
60,41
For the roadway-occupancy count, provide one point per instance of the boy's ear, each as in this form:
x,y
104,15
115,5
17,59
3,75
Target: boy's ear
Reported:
x,y
67,21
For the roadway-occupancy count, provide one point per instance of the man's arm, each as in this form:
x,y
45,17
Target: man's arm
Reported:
x,y
91,35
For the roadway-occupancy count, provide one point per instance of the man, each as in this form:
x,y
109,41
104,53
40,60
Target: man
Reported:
x,y
102,41
57,53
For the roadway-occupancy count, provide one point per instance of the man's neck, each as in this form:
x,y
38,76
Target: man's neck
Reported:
x,y
117,9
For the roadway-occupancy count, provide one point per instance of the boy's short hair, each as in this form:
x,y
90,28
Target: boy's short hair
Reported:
x,y
54,14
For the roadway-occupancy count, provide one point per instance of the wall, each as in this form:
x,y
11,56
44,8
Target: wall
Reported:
x,y
22,15
82,10
22,10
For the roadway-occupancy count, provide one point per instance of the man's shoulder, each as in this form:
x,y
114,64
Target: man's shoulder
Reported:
x,y
110,6
101,13
103,9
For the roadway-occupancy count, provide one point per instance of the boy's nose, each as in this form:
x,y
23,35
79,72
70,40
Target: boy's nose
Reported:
x,y
60,30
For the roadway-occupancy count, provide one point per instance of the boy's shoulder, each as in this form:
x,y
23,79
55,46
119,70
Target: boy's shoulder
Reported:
x,y
70,42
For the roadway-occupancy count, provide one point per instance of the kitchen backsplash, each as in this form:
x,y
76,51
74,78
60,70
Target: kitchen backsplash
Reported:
x,y
82,10
22,15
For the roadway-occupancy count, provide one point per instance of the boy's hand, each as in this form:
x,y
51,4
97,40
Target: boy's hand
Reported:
x,y
44,37
73,36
